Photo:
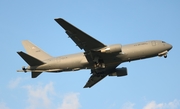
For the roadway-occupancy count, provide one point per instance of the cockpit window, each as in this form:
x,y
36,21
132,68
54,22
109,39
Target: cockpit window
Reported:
x,y
163,42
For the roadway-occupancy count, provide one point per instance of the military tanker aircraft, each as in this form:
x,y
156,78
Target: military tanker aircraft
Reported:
x,y
101,59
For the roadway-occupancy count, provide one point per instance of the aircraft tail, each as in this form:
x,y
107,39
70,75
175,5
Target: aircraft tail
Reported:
x,y
35,57
32,61
35,51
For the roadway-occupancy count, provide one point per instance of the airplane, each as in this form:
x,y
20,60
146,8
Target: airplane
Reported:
x,y
101,59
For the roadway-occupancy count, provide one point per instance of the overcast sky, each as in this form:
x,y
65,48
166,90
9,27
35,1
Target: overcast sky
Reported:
x,y
151,83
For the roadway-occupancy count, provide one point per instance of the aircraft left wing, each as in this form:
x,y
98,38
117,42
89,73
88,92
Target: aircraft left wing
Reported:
x,y
82,40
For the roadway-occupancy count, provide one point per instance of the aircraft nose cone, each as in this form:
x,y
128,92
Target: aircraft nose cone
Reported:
x,y
169,46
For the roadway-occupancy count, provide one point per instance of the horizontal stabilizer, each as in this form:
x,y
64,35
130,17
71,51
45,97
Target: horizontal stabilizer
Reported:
x,y
30,60
35,74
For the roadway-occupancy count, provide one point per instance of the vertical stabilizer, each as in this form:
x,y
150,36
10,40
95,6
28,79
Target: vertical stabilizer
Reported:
x,y
35,51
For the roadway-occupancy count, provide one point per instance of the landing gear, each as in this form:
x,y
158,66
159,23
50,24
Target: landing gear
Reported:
x,y
164,53
98,63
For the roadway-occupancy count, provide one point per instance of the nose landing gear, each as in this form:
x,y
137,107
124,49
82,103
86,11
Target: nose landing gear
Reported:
x,y
164,53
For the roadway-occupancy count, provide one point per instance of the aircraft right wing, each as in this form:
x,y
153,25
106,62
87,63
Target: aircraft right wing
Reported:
x,y
93,80
82,40
98,76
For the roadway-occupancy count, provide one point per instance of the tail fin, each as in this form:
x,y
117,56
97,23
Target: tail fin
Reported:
x,y
35,51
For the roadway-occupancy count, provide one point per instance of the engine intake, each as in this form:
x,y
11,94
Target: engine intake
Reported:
x,y
116,48
119,72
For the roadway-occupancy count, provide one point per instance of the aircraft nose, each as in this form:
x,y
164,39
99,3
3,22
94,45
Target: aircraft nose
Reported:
x,y
169,46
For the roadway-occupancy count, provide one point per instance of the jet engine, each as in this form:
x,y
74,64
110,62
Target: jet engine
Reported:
x,y
119,72
116,48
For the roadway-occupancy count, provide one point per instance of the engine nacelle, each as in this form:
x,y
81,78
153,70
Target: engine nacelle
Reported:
x,y
116,48
119,72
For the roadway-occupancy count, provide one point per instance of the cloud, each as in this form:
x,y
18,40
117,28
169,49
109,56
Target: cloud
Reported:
x,y
175,104
39,96
44,97
14,83
171,105
3,105
128,105
70,101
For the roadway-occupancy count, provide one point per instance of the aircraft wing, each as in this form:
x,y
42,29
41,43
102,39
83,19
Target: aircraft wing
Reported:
x,y
98,76
89,44
93,80
82,40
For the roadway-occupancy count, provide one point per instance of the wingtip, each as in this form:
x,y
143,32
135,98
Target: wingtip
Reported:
x,y
58,19
86,87
19,52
